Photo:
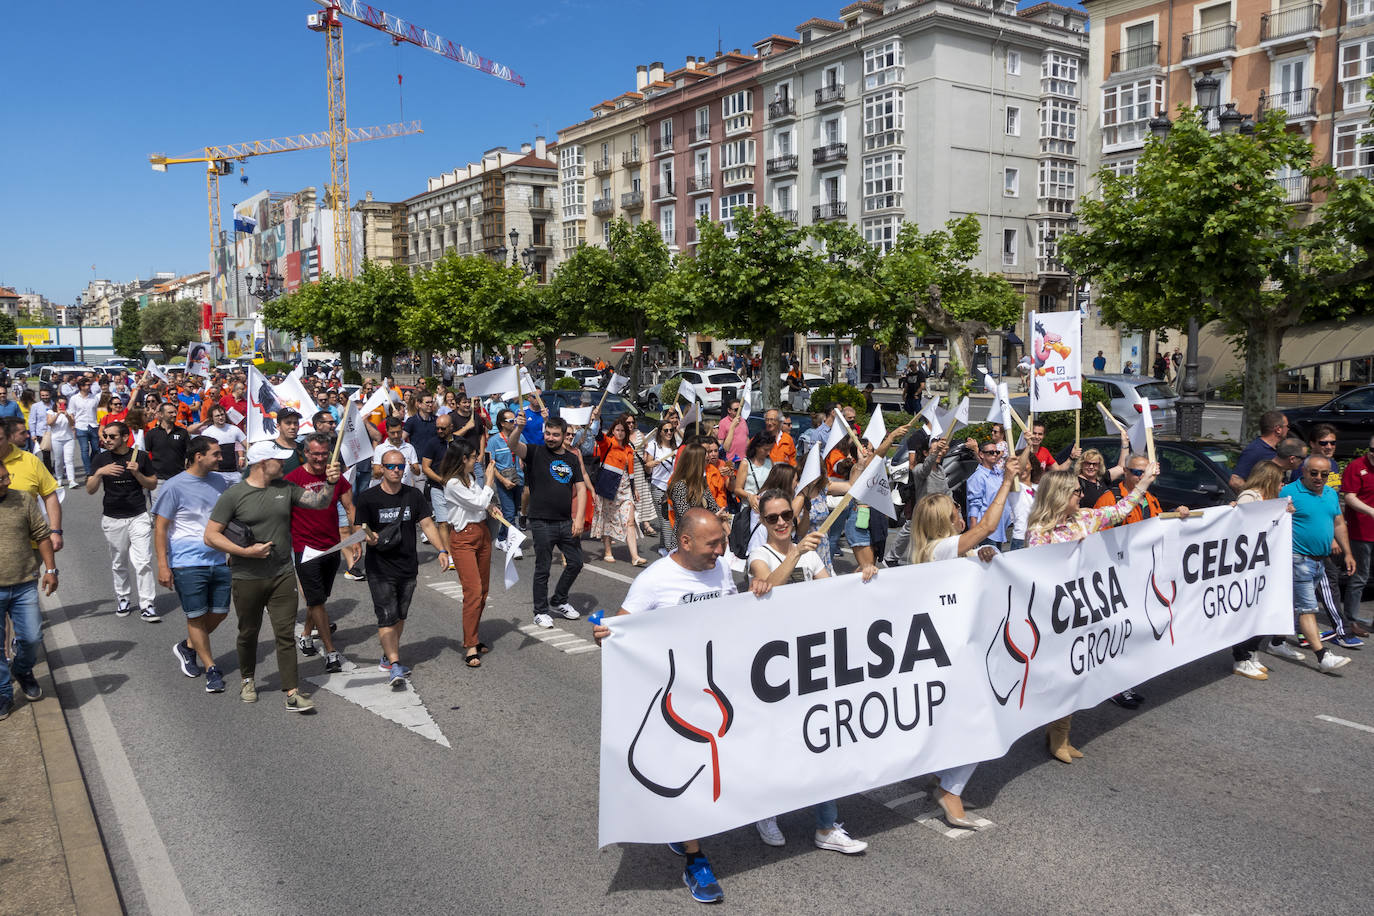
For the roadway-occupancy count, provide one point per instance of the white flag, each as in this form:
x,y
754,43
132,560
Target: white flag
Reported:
x,y
576,416
1109,420
996,416
494,382
746,399
874,489
514,538
617,383
693,414
262,407
989,383
157,372
355,444
950,420
378,399
292,394
835,436
877,428
1139,438
811,471
685,392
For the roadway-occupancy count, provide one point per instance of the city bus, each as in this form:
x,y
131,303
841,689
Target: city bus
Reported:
x,y
22,356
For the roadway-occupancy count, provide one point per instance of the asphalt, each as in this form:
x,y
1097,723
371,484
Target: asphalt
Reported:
x,y
1221,795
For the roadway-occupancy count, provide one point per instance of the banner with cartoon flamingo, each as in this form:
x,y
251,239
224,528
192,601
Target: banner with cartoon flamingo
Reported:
x,y
717,711
1056,378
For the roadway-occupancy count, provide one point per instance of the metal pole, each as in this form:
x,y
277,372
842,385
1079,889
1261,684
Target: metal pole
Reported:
x,y
81,334
1190,401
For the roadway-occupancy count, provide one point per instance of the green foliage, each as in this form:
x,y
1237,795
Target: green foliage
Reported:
x,y
846,395
1233,388
465,301
170,326
9,334
128,341
31,318
1059,423
892,418
667,394
352,377
272,367
567,383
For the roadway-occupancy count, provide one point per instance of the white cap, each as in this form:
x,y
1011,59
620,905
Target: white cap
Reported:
x,y
267,448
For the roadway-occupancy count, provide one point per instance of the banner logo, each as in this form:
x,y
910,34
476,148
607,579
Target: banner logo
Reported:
x,y
1007,661
1160,611
663,699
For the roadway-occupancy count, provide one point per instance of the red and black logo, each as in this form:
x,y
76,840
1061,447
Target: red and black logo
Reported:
x,y
1008,657
663,699
1159,610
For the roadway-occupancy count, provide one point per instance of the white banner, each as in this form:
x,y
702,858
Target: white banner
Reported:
x,y
720,712
355,444
1057,367
496,381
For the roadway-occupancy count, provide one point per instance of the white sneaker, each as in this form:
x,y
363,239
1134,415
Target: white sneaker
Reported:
x,y
567,612
543,620
1259,664
1284,650
1248,668
835,838
769,832
1331,661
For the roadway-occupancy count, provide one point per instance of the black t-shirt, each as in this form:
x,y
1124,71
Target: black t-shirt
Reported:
x,y
167,450
474,435
551,478
124,496
435,453
377,509
420,432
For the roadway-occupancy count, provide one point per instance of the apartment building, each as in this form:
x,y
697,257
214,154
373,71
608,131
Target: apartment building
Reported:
x,y
385,240
503,205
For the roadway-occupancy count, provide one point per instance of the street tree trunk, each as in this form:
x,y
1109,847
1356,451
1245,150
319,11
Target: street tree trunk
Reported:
x,y
550,342
1262,342
960,334
771,383
636,361
386,367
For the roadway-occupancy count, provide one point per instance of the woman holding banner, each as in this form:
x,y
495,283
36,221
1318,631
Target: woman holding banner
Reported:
x,y
938,533
1056,517
615,504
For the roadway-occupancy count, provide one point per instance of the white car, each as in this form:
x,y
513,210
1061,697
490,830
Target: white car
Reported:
x,y
708,384
587,376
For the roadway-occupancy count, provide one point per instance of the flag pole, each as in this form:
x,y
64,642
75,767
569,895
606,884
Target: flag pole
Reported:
x,y
1077,426
338,440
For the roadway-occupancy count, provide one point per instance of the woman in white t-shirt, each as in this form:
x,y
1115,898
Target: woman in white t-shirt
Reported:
x,y
1021,498
230,439
776,562
659,457
938,533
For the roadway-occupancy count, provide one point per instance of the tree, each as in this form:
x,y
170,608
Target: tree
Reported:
x,y
349,316
466,301
545,314
1202,230
170,326
128,341
9,334
926,283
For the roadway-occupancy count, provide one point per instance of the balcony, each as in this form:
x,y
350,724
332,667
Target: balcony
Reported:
x,y
831,152
1298,104
632,200
669,234
830,95
699,133
1214,42
698,183
780,165
782,109
693,234
1043,265
601,167
665,191
1136,57
465,248
738,174
450,218
788,215
541,203
829,211
663,145
477,208
631,158
602,206
1297,189
1291,25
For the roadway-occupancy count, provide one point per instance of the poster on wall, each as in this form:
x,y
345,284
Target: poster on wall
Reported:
x,y
238,338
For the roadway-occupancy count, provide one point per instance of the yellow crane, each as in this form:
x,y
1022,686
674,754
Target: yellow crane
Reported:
x,y
329,22
219,160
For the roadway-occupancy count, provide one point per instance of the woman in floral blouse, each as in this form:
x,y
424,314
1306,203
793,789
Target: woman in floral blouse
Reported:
x,y
1055,518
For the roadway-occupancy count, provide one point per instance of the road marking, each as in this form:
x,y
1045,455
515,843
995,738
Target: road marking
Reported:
x,y
561,640
928,815
368,687
936,822
601,571
1347,723
162,890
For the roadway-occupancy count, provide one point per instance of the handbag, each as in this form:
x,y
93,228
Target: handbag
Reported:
x,y
239,534
607,482
45,444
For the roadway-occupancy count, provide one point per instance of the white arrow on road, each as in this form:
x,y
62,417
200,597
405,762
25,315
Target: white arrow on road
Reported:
x,y
368,688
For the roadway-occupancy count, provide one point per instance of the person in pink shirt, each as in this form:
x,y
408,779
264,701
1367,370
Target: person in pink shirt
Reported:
x,y
733,432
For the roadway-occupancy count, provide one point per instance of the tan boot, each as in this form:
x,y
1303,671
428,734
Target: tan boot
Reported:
x,y
1073,751
1057,740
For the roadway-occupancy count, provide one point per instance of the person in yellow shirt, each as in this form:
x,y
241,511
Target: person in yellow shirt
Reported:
x,y
27,474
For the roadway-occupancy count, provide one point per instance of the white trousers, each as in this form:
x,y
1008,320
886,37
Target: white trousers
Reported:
x,y
131,543
955,779
64,459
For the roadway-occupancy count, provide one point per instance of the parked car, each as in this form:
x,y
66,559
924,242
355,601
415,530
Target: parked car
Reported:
x,y
587,376
709,385
1127,393
812,382
1351,413
52,373
1193,473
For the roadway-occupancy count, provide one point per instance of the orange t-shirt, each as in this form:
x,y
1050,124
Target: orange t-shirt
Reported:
x,y
715,482
784,452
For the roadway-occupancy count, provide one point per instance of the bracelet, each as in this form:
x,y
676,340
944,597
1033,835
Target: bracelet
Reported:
x,y
55,530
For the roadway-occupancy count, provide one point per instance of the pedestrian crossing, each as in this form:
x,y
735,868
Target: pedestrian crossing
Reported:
x,y
562,640
920,807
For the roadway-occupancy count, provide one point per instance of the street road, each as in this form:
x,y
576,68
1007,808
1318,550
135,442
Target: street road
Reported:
x,y
1220,795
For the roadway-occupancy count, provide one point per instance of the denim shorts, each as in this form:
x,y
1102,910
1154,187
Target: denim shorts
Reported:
x,y
390,598
856,536
1305,571
438,504
203,589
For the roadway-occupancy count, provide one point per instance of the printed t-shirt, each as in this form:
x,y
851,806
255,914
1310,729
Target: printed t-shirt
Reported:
x,y
377,509
186,501
666,583
124,496
551,478
809,565
227,437
317,528
167,450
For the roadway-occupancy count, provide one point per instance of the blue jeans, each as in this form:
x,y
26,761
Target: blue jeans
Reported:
x,y
508,500
825,814
1306,571
88,441
20,603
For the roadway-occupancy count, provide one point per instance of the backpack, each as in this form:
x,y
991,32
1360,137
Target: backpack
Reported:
x,y
740,533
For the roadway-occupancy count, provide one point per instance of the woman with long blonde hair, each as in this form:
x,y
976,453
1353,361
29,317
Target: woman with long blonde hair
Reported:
x,y
938,533
1056,517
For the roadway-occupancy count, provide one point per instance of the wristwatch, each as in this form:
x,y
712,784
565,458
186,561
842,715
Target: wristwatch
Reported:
x,y
55,531
49,572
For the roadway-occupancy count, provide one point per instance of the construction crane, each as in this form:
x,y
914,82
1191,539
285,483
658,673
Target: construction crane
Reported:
x,y
219,160
330,23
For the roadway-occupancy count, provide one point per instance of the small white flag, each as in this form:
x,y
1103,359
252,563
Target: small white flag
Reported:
x,y
514,538
693,414
874,489
1139,437
618,383
877,428
355,445
811,471
746,400
686,392
156,371
576,416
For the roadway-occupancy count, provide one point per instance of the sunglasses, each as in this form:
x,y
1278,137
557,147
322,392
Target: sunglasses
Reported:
x,y
395,467
1138,472
986,451
773,518
1325,442
1316,473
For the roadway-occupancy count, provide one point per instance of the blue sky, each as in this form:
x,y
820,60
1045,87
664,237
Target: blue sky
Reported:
x,y
94,87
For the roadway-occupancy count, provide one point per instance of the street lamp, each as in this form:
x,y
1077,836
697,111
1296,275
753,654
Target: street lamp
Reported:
x,y
527,256
80,328
266,286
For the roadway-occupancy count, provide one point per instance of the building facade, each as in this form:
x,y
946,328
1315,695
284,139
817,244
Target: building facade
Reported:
x,y
503,205
385,239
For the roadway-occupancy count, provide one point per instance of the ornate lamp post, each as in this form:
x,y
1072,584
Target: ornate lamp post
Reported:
x,y
266,286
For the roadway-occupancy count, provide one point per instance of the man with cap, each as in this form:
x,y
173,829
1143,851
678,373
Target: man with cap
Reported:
x,y
252,523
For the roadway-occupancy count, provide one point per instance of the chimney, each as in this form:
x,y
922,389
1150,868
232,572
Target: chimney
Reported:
x,y
525,148
541,148
641,77
368,197
656,72
700,62
691,62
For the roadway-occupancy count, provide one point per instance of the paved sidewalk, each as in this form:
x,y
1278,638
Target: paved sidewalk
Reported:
x,y
53,859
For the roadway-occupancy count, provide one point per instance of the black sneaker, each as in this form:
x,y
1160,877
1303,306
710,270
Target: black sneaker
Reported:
x,y
186,657
124,608
6,707
355,574
1128,699
307,644
29,684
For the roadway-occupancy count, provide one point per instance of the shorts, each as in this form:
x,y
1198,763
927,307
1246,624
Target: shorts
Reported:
x,y
856,536
317,577
203,589
343,516
390,598
1305,572
438,503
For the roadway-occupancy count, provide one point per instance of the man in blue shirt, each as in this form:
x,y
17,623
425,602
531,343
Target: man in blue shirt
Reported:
x,y
1317,524
7,407
1273,427
982,490
1099,362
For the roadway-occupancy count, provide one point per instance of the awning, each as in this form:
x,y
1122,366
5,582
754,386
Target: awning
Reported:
x,y
1305,346
625,346
592,346
1014,340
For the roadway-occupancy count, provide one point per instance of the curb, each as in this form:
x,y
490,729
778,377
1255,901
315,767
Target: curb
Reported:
x,y
88,865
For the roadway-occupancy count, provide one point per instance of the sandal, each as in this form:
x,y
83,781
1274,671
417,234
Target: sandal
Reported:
x,y
483,648
472,660
608,559
640,562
